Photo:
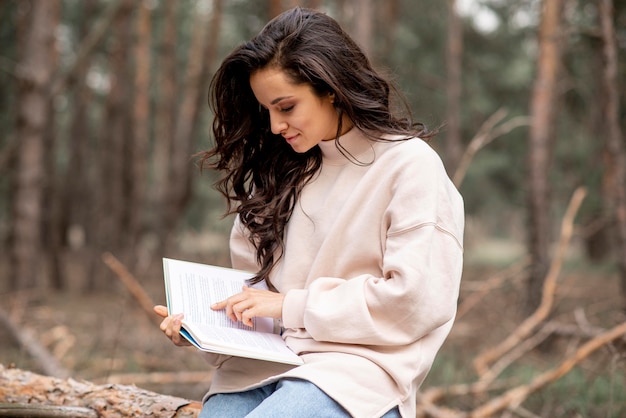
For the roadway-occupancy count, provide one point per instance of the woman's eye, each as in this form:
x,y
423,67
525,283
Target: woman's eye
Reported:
x,y
287,109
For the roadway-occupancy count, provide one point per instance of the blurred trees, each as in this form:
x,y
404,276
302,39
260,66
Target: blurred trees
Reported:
x,y
97,148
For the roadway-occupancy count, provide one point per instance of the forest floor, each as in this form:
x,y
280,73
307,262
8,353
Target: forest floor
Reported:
x,y
107,337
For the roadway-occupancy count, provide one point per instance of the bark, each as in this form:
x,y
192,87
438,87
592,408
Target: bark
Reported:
x,y
78,198
615,139
454,53
35,40
179,153
165,121
391,12
363,25
542,114
111,195
23,388
138,163
52,218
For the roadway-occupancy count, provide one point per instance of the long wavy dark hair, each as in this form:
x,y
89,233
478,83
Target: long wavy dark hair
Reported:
x,y
263,176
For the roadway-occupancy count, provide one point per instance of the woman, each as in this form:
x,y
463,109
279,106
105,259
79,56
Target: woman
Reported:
x,y
348,216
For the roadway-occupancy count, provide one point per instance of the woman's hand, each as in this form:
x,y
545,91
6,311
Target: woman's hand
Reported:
x,y
252,302
171,325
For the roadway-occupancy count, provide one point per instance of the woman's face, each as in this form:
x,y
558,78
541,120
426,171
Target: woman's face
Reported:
x,y
298,114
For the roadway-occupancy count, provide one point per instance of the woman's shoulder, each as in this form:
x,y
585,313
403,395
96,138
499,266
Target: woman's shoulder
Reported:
x,y
409,149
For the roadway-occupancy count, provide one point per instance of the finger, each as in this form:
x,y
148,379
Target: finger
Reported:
x,y
217,306
247,317
175,329
230,312
165,323
237,310
171,325
241,308
160,310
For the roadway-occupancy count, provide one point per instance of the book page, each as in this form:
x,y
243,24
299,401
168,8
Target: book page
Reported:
x,y
192,288
259,345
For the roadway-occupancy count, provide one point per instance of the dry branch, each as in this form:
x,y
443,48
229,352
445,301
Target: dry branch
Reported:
x,y
27,339
485,286
517,352
514,397
107,401
135,288
430,396
549,287
487,133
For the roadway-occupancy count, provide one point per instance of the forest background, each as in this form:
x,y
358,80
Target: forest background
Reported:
x,y
104,104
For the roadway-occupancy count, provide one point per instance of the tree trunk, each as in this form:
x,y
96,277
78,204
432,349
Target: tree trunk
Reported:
x,y
391,12
35,40
21,389
363,25
114,134
78,199
454,54
614,142
138,163
52,218
165,122
542,113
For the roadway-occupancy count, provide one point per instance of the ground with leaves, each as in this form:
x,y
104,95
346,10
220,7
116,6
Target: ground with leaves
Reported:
x,y
107,338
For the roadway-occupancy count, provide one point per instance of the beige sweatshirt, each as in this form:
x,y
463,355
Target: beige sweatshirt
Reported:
x,y
371,272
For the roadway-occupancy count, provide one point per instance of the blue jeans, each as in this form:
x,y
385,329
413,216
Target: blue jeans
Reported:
x,y
287,398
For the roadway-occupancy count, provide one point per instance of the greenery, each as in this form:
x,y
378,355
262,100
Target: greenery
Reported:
x,y
498,72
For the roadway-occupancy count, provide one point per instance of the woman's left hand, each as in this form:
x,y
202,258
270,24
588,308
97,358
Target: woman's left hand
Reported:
x,y
250,303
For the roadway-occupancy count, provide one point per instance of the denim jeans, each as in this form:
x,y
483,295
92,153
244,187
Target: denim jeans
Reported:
x,y
287,398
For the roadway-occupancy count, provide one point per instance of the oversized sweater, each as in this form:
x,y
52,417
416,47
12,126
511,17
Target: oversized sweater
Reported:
x,y
371,271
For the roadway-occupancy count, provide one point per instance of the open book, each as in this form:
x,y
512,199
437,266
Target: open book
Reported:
x,y
191,289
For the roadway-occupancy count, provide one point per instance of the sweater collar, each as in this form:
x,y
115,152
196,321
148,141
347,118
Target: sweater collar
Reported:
x,y
354,144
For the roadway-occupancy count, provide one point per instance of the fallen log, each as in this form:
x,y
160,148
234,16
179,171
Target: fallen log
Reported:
x,y
20,387
16,410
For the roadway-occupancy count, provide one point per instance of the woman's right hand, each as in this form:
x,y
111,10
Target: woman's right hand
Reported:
x,y
171,325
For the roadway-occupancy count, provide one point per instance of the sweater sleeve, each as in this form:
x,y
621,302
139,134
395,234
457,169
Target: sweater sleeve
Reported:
x,y
421,269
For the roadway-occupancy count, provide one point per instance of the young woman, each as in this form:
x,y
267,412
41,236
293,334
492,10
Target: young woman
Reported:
x,y
345,212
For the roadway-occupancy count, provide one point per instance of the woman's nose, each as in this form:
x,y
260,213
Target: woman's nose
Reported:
x,y
277,124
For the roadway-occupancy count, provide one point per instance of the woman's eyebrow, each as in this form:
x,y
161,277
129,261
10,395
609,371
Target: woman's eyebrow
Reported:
x,y
278,99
